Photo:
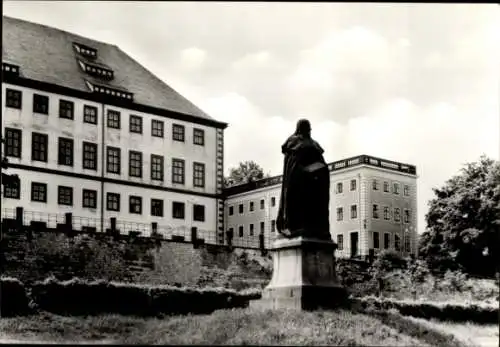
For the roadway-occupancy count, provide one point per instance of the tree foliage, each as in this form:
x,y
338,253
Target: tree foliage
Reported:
x,y
246,171
463,221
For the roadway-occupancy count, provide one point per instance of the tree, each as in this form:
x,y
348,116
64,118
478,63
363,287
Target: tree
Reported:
x,y
463,221
247,171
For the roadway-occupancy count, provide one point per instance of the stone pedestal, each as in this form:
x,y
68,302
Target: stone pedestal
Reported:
x,y
304,276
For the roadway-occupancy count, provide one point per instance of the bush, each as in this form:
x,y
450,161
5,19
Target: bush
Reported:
x,y
14,300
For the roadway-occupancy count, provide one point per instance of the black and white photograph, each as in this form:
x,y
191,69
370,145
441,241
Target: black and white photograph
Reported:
x,y
250,173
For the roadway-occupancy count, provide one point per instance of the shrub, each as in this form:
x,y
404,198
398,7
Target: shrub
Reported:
x,y
14,300
454,281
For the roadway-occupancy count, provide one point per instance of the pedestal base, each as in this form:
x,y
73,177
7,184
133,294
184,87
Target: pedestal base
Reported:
x,y
303,276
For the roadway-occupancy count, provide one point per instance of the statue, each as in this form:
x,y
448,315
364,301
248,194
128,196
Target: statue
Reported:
x,y
305,192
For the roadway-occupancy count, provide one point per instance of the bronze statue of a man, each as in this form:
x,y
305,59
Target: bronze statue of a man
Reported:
x,y
305,192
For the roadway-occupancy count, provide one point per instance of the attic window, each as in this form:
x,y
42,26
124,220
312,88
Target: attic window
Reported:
x,y
105,90
85,50
10,69
97,71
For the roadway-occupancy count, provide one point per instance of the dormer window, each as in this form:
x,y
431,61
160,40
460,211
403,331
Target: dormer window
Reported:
x,y
96,70
112,92
10,69
86,51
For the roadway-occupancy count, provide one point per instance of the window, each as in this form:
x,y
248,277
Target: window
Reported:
x,y
65,196
40,104
113,160
178,210
89,114
354,211
178,132
89,156
273,201
273,225
156,167
251,230
251,206
240,208
13,142
113,119
157,207
395,188
397,214
340,213
376,240
38,192
12,190
262,227
396,242
240,231
375,211
406,190
407,216
386,187
353,185
66,109
339,188
199,213
199,137
340,242
375,185
199,175
135,164
157,128
135,125
89,198
135,204
387,240
14,99
386,213
39,144
407,244
113,202
262,204
178,171
231,210
65,152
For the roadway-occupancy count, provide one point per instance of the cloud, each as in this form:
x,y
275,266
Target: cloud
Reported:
x,y
193,58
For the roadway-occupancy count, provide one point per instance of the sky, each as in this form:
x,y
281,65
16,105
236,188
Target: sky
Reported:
x,y
415,83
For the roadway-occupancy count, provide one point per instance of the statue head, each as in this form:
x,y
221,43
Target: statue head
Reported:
x,y
303,128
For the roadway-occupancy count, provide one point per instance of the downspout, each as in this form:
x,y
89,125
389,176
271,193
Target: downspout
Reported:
x,y
360,219
102,168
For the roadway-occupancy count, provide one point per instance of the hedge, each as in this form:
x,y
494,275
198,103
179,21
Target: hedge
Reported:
x,y
14,300
441,311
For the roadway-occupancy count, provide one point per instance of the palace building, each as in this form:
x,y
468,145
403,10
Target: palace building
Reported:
x,y
90,131
373,206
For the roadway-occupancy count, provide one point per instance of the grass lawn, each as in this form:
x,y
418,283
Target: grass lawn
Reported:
x,y
238,326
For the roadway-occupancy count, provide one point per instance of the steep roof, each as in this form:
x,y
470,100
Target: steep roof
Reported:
x,y
46,54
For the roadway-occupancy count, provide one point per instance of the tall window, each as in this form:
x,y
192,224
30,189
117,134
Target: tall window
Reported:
x,y
340,213
135,204
14,98
353,185
113,119
376,240
354,211
340,188
65,152
395,188
199,137
375,184
386,187
66,109
251,206
113,202
407,244
199,175
113,160
178,210
396,242
251,229
13,142
157,167
39,150
89,156
386,213
397,214
262,204
273,225
65,195
340,242
157,207
240,231
262,227
387,240
40,104
199,213
407,216
375,211
240,208
178,171
157,128
89,198
135,124
273,201
135,164
178,132
406,190
12,190
231,210
90,114
38,192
